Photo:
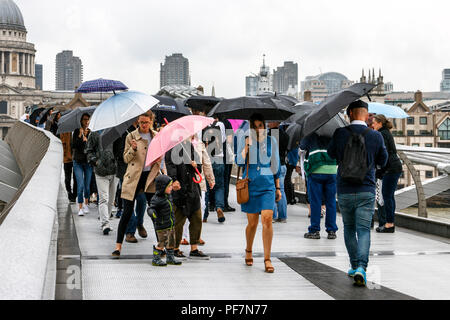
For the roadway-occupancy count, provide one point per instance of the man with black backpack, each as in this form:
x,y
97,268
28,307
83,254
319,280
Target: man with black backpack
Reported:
x,y
358,151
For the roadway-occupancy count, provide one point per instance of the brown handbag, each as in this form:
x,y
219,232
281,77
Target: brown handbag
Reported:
x,y
242,186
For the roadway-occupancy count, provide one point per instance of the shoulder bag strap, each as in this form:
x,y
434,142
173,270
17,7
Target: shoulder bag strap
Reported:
x,y
239,168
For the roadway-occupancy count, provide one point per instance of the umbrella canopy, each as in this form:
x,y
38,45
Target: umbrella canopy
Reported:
x,y
244,107
72,120
44,115
101,85
332,105
235,124
121,108
112,134
169,109
387,110
294,131
175,133
35,114
302,110
202,103
288,100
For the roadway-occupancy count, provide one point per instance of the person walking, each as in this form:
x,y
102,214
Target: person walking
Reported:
x,y
161,211
259,156
229,157
358,150
82,169
105,168
293,157
321,174
390,174
137,218
280,210
215,139
66,140
186,195
54,123
138,178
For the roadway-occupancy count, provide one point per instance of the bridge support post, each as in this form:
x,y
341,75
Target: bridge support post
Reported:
x,y
418,183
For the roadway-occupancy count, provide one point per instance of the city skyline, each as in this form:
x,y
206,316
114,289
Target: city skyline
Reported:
x,y
225,48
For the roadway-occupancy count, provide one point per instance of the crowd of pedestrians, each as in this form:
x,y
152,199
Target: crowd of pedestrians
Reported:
x,y
180,195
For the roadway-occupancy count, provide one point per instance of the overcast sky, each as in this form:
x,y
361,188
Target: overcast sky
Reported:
x,y
225,40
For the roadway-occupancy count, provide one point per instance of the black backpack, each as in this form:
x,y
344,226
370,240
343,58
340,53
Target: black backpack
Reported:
x,y
353,167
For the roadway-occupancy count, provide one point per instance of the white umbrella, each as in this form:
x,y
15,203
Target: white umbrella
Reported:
x,y
121,108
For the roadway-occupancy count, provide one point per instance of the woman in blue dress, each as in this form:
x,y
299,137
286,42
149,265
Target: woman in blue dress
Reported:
x,y
264,185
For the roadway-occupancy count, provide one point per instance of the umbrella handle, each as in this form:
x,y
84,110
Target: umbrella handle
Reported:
x,y
167,122
201,178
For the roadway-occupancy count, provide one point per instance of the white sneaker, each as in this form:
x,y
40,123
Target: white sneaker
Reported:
x,y
81,213
85,209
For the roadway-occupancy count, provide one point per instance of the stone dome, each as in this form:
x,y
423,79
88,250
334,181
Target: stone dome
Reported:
x,y
10,16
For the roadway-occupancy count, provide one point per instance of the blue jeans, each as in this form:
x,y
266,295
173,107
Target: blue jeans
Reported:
x,y
83,174
281,206
322,187
218,191
357,210
137,218
390,181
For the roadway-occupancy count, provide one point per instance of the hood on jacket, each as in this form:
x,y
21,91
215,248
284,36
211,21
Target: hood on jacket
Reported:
x,y
161,182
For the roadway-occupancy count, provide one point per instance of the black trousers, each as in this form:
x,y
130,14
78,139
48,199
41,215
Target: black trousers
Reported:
x,y
128,207
228,168
69,174
288,185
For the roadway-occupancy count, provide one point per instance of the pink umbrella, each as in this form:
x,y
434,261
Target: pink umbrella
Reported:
x,y
235,123
175,133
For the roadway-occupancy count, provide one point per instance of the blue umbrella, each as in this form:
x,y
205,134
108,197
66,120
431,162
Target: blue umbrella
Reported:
x,y
121,108
387,110
101,85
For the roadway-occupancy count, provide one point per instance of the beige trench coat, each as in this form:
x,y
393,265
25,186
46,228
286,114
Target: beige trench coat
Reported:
x,y
136,161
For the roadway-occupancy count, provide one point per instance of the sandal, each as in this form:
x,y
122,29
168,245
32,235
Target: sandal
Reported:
x,y
268,269
249,262
201,242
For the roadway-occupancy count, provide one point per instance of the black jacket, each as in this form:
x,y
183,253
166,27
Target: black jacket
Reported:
x,y
78,147
394,165
103,160
118,148
161,209
188,197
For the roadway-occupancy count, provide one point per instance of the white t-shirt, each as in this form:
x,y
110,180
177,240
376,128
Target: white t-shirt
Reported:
x,y
148,137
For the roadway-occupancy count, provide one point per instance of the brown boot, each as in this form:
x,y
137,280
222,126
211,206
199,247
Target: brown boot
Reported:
x,y
142,232
220,216
130,238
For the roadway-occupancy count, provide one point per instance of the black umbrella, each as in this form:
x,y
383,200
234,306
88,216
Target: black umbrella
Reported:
x,y
297,121
332,105
244,107
202,103
44,115
71,121
110,135
302,111
288,100
169,109
34,115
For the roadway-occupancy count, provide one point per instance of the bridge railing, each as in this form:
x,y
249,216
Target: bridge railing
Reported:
x,y
27,222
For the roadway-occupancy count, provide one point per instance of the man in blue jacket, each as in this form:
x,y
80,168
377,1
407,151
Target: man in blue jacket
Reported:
x,y
357,200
